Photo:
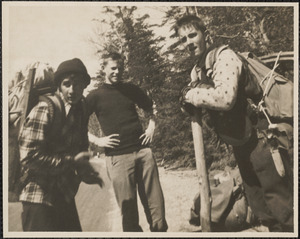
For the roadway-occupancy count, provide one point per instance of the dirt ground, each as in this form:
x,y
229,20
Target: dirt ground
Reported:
x,y
98,210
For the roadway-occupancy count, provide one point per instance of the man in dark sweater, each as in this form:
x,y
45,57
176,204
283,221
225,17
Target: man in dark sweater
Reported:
x,y
129,160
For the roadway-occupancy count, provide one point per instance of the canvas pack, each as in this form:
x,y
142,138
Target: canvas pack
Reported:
x,y
30,85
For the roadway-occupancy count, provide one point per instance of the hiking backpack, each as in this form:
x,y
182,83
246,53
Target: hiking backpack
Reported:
x,y
31,85
271,92
229,208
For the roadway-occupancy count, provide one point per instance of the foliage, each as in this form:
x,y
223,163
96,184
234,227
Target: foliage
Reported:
x,y
95,129
243,29
261,30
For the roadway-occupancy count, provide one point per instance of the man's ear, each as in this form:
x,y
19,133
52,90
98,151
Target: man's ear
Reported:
x,y
58,86
208,38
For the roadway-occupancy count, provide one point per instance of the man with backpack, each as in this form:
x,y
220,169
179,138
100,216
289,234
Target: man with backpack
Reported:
x,y
221,89
53,145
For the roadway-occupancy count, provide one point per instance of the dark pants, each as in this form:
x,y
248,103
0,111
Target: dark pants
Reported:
x,y
61,217
269,195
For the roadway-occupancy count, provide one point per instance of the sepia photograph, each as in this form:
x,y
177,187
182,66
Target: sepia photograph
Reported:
x,y
150,119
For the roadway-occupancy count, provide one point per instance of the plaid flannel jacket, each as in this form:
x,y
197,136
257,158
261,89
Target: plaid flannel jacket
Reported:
x,y
55,170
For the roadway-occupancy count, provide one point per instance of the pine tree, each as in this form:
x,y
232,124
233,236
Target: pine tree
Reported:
x,y
261,30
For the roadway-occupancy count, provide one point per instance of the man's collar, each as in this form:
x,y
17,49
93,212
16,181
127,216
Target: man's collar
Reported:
x,y
109,85
201,60
66,104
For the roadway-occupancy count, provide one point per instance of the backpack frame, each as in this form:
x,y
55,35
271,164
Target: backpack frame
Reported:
x,y
29,98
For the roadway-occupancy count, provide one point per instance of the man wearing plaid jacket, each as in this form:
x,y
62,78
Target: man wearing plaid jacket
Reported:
x,y
51,164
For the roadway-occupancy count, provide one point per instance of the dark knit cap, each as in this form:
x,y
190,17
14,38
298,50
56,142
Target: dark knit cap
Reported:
x,y
75,66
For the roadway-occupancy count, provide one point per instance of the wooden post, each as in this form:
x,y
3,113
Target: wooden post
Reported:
x,y
205,202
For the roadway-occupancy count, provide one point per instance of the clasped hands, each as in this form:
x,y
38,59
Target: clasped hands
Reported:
x,y
186,106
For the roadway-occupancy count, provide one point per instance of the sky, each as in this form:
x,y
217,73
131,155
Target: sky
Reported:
x,y
53,32
50,34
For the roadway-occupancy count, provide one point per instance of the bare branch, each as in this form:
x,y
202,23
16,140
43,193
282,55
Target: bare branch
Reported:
x,y
196,11
187,10
229,37
263,32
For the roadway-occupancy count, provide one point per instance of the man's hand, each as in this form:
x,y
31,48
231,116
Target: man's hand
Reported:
x,y
91,177
110,141
185,106
149,132
184,100
148,136
187,88
188,108
85,170
82,158
184,91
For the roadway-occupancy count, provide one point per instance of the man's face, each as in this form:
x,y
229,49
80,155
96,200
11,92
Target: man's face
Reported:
x,y
193,39
113,71
72,88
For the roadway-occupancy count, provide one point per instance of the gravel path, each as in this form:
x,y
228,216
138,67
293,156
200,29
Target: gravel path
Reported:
x,y
179,188
98,210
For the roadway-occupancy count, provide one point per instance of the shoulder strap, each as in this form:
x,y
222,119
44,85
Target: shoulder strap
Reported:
x,y
56,112
212,57
85,110
84,106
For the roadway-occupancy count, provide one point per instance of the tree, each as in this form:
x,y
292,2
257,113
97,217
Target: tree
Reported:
x,y
243,29
163,74
133,37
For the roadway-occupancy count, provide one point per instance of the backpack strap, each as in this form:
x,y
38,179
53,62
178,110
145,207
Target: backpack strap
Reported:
x,y
84,108
211,59
56,112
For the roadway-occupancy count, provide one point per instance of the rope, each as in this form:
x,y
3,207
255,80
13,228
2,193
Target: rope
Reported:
x,y
260,104
16,86
265,113
274,149
266,89
262,81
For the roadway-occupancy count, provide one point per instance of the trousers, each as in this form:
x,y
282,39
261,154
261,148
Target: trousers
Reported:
x,y
269,195
40,217
134,172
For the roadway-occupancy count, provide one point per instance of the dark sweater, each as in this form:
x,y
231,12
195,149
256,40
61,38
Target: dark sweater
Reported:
x,y
115,109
